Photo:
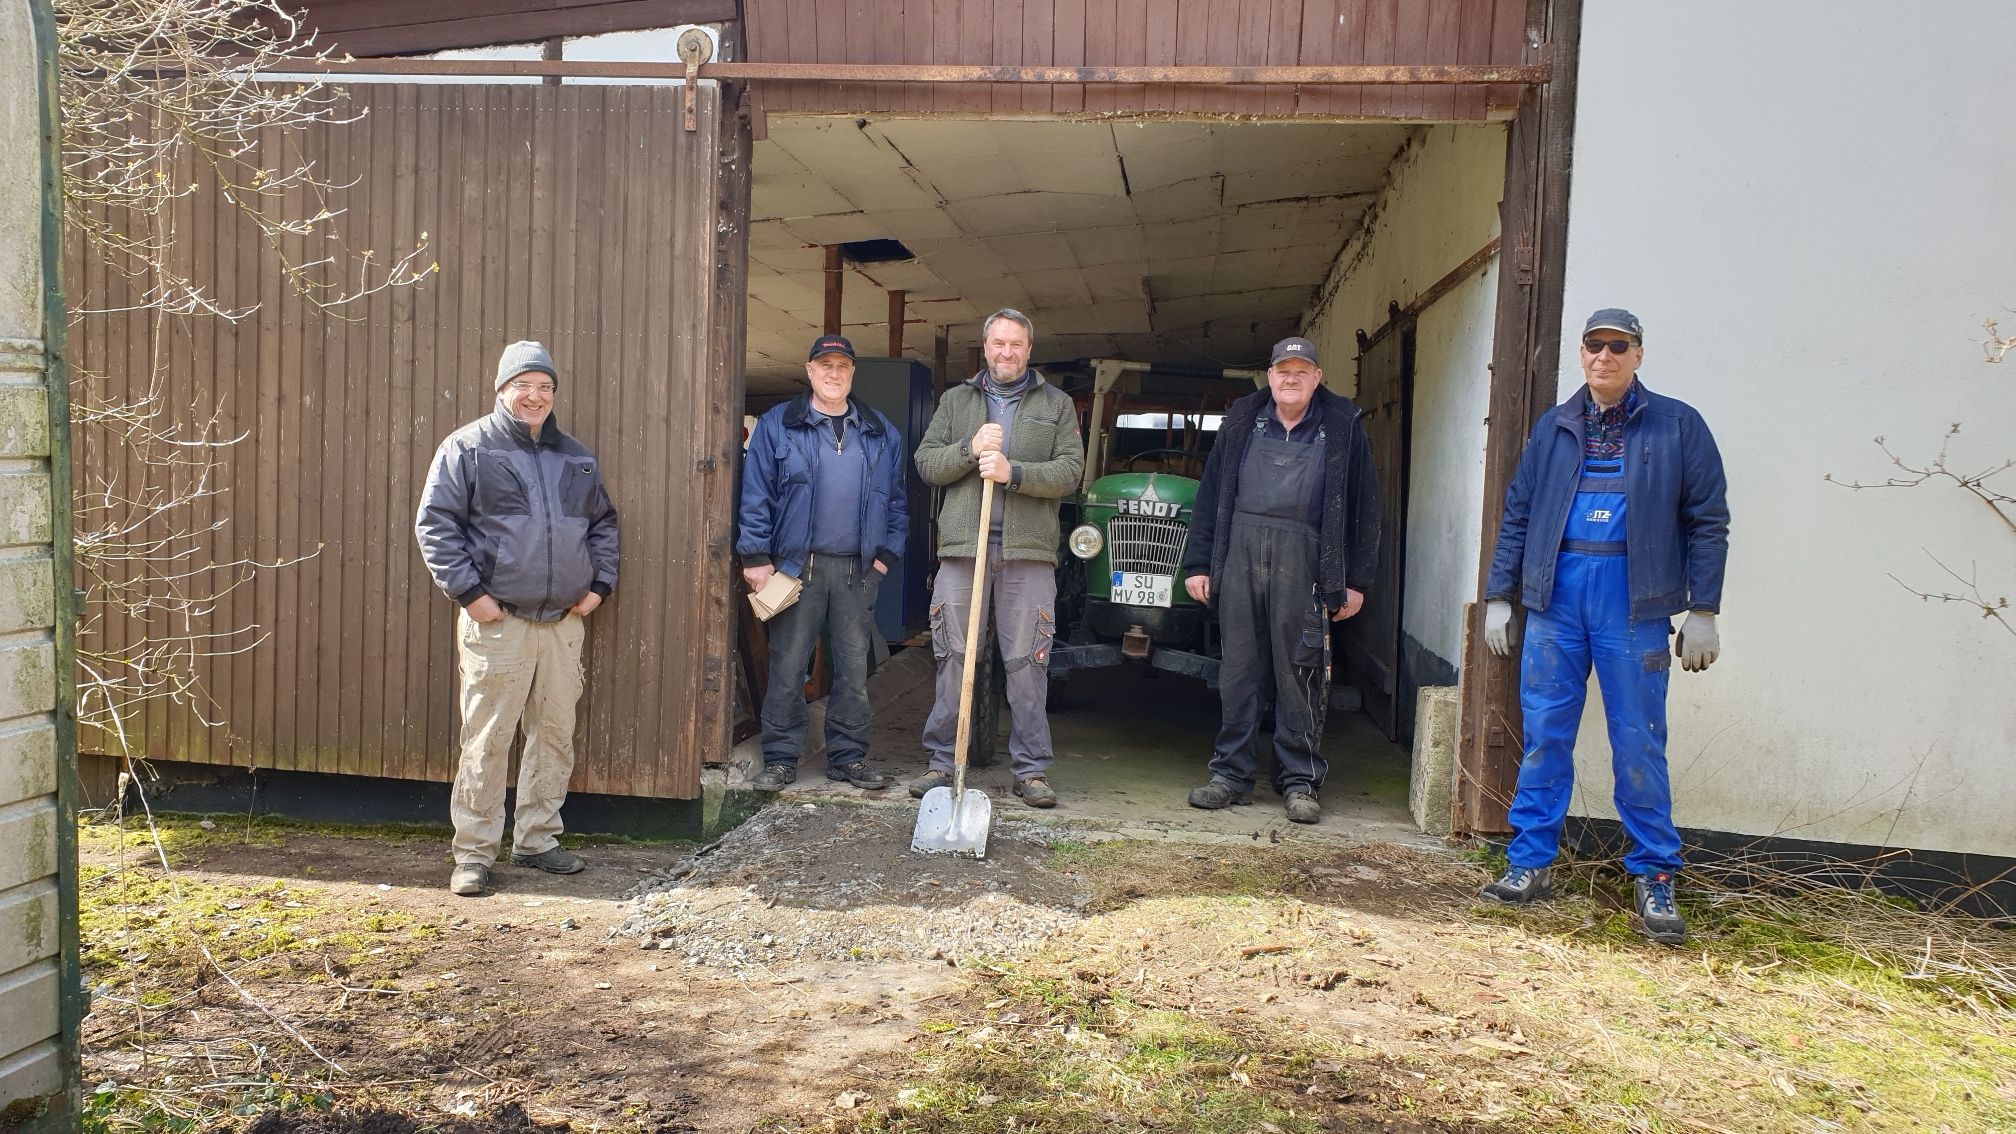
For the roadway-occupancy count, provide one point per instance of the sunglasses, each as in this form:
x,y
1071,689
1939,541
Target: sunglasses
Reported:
x,y
1617,347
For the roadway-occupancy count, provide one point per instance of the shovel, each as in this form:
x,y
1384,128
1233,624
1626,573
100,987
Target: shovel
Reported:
x,y
955,820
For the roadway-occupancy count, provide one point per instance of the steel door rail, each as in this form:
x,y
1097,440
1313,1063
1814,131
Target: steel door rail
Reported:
x,y
1355,75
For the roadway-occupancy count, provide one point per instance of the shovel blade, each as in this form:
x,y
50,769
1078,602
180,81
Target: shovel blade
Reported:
x,y
948,826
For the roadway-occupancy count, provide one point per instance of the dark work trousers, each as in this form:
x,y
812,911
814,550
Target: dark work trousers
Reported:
x,y
1274,627
839,594
1024,594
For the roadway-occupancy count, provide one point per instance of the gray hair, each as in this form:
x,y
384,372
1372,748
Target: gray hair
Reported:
x,y
1013,316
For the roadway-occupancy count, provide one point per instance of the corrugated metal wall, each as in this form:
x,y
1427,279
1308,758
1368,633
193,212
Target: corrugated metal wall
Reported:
x,y
582,216
1071,33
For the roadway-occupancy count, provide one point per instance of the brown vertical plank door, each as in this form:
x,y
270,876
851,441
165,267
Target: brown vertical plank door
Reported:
x,y
1370,640
583,216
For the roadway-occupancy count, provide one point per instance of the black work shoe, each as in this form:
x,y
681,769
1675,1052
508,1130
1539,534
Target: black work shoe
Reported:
x,y
468,879
1303,808
859,774
558,860
773,777
1036,792
927,781
1519,885
1217,794
1657,909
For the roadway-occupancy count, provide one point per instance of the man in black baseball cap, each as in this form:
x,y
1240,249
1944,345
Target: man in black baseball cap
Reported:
x,y
837,533
1284,540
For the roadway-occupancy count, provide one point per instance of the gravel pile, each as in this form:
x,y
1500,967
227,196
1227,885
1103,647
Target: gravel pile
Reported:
x,y
837,883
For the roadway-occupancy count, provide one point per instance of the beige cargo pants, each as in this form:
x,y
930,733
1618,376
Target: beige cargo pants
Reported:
x,y
513,669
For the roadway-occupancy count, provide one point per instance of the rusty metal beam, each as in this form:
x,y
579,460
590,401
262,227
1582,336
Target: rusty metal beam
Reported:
x,y
896,298
836,279
1396,75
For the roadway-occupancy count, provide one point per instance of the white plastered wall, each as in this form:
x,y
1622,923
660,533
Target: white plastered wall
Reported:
x,y
1439,206
1812,238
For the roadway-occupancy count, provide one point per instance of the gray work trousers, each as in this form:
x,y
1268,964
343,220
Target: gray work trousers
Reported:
x,y
1275,633
1024,594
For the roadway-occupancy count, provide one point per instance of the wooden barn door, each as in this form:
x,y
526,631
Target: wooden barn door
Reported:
x,y
1371,640
586,217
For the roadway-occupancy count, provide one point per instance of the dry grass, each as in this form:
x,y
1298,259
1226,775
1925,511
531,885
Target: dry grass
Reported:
x,y
1390,1001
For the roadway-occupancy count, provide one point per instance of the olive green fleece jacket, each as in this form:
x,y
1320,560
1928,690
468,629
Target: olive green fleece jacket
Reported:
x,y
1045,457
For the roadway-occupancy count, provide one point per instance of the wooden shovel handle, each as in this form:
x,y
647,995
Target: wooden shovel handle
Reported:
x,y
974,622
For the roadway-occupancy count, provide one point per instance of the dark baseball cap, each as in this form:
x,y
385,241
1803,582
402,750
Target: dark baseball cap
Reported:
x,y
1615,319
1294,348
831,344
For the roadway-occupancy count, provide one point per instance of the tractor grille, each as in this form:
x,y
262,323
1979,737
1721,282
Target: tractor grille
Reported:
x,y
1151,546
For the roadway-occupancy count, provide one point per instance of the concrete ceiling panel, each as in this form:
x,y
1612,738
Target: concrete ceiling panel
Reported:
x,y
1100,246
794,195
837,228
1183,200
1041,252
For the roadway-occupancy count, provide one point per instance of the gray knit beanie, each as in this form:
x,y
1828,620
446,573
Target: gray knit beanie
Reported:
x,y
522,356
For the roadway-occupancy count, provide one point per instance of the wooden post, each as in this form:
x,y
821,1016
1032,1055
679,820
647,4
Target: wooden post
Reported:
x,y
1525,357
896,323
833,282
552,54
941,358
972,363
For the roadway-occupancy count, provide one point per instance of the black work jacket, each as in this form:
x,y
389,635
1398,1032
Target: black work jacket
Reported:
x,y
1348,542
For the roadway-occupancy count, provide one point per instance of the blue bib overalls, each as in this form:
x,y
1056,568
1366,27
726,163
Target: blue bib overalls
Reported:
x,y
1589,620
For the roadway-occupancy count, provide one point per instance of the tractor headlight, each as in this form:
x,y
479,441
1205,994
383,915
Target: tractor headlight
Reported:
x,y
1086,541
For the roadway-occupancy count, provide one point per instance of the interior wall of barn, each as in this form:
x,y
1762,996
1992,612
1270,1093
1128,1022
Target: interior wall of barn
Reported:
x,y
1438,207
1813,255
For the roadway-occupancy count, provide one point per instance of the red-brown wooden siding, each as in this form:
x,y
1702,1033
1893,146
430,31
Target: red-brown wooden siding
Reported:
x,y
1137,32
581,216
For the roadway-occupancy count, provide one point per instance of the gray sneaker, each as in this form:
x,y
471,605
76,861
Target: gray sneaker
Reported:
x,y
927,781
1217,794
468,879
1303,807
1657,910
558,860
1518,886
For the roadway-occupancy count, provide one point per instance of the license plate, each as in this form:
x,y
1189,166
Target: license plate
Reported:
x,y
1132,588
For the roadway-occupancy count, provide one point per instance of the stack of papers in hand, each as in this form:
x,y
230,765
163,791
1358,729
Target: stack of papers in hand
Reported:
x,y
779,591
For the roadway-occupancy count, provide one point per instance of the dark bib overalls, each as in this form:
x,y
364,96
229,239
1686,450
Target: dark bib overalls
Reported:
x,y
1274,627
1589,619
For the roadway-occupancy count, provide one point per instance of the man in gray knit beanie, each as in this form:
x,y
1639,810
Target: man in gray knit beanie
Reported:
x,y
517,528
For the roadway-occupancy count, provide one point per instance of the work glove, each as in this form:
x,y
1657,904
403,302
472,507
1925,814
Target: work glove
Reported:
x,y
1700,644
1499,632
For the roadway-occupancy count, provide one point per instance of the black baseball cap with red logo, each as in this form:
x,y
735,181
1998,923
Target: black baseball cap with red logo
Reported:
x,y
831,344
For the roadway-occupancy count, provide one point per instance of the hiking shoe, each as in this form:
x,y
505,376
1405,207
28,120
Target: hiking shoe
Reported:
x,y
773,777
1302,806
1217,794
468,879
1036,792
1656,908
859,774
929,780
555,860
1518,886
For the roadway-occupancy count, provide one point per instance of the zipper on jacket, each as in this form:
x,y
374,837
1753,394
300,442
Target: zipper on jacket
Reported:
x,y
539,470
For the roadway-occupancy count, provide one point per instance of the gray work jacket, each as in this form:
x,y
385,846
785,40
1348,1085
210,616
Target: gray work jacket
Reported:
x,y
526,522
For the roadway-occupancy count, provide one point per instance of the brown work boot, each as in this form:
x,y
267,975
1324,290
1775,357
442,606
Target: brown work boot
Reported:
x,y
1036,792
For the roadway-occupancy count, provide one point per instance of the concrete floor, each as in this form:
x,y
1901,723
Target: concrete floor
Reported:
x,y
1131,742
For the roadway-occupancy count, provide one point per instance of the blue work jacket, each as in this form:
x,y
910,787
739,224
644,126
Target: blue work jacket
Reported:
x,y
777,489
1677,540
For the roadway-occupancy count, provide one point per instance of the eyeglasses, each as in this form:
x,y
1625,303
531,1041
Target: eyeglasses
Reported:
x,y
1618,347
532,387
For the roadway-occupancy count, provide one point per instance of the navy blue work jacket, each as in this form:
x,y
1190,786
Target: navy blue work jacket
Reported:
x,y
778,473
1675,499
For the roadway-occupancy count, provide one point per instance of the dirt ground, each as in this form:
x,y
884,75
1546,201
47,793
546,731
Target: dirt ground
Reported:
x,y
808,973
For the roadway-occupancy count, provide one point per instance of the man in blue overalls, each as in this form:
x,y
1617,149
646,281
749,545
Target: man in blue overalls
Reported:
x,y
1615,522
1284,539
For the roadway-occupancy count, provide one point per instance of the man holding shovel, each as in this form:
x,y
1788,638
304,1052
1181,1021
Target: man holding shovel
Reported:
x,y
1008,426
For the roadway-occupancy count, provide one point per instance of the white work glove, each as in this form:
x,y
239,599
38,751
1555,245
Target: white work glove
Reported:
x,y
1699,644
1499,632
